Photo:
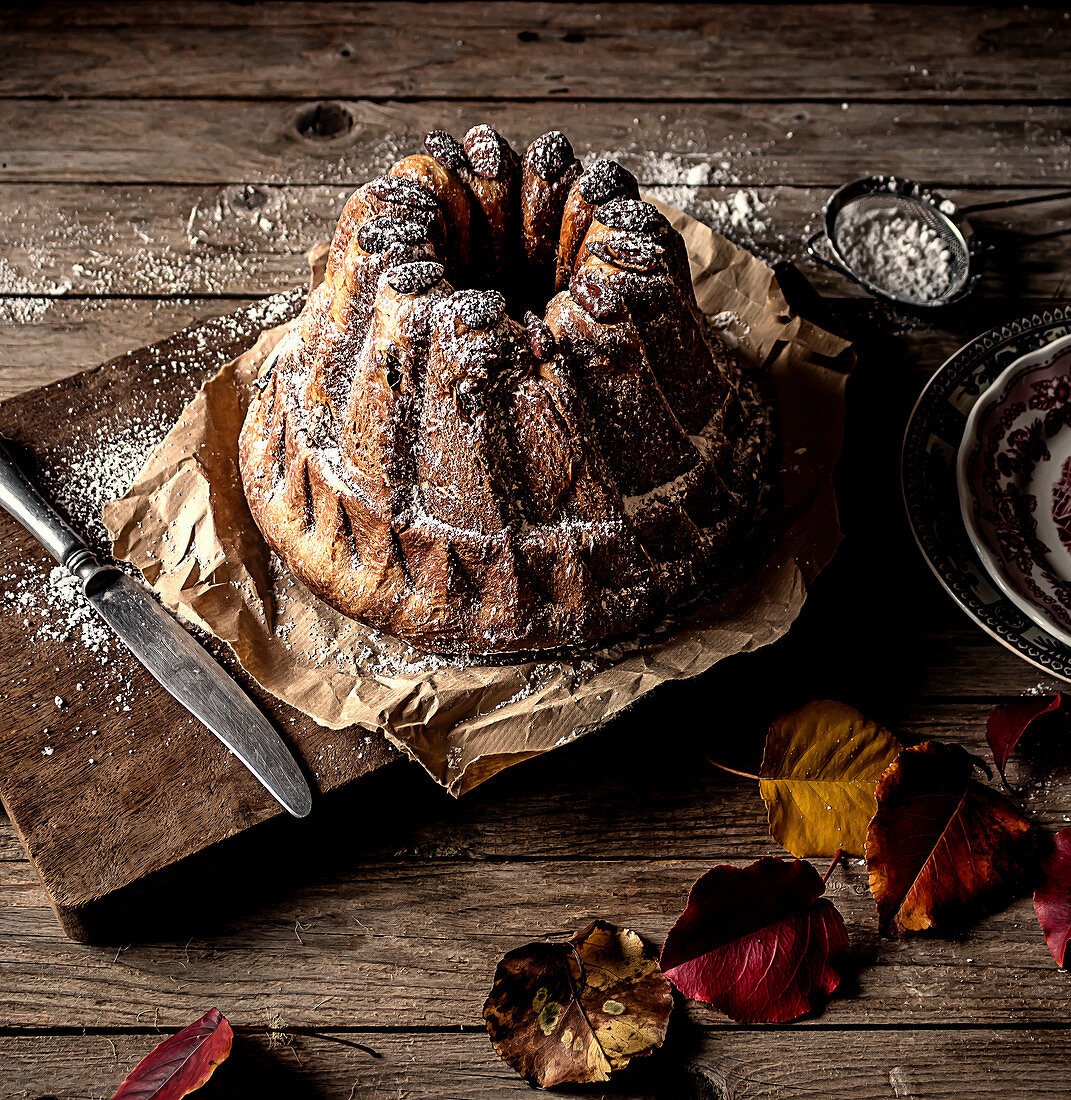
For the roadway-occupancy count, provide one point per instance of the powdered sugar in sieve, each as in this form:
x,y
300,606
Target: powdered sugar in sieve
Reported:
x,y
903,241
898,251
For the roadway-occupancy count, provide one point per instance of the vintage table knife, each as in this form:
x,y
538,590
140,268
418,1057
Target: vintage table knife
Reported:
x,y
181,665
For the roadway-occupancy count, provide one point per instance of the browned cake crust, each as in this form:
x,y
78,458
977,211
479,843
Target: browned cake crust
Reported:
x,y
548,171
600,183
429,465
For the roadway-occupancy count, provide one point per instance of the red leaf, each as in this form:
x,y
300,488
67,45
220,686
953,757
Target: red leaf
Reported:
x,y
1007,724
760,943
1052,899
940,843
182,1064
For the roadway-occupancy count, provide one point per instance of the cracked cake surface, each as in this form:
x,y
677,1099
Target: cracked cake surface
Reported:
x,y
501,423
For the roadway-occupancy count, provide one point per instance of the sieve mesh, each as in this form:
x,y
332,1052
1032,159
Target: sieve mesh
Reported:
x,y
946,279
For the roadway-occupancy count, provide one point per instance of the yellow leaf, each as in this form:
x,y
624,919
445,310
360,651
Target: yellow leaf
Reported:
x,y
819,770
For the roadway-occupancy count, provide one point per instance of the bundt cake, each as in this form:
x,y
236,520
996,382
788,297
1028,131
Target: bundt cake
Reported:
x,y
428,463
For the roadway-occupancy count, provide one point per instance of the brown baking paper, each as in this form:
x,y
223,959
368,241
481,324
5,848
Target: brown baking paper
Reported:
x,y
184,523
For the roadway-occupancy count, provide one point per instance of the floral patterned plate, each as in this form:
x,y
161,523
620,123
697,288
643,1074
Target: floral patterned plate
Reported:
x,y
1014,483
928,473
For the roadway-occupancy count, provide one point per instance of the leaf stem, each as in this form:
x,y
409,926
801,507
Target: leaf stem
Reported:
x,y
580,966
733,771
577,991
836,859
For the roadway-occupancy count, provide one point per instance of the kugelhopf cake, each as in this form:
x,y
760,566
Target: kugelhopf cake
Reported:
x,y
439,452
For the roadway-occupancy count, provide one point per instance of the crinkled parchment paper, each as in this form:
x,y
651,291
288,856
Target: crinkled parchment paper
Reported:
x,y
184,523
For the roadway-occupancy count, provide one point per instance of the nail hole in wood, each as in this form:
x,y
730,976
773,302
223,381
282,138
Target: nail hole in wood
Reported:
x,y
573,36
528,36
346,51
322,121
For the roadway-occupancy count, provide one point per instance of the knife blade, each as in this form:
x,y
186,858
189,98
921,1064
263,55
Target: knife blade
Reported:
x,y
175,659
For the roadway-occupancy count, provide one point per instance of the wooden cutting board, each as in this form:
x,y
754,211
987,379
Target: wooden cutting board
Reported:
x,y
105,777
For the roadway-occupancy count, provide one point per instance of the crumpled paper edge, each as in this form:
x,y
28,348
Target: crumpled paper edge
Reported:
x,y
184,523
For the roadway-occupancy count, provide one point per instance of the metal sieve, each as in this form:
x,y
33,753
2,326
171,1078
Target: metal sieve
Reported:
x,y
966,248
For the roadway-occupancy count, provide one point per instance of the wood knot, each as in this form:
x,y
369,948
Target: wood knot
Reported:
x,y
323,121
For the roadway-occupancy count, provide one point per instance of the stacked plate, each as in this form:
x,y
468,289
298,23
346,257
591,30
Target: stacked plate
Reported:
x,y
987,483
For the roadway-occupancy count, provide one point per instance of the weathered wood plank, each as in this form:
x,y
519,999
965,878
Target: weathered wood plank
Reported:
x,y
273,141
92,240
584,798
572,826
45,339
705,52
415,944
696,1062
10,848
250,240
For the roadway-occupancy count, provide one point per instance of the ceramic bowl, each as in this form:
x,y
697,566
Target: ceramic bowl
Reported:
x,y
932,440
1013,476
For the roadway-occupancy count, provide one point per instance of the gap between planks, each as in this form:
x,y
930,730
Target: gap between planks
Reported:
x,y
814,1028
695,1062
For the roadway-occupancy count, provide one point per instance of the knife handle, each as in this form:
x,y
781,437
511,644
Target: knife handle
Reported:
x,y
20,497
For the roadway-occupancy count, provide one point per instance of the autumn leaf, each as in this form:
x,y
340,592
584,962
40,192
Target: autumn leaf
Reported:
x,y
1052,898
940,843
819,770
1006,725
182,1064
760,943
578,1011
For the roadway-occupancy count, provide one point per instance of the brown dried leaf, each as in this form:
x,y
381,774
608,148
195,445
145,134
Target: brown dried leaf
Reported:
x,y
940,845
578,1011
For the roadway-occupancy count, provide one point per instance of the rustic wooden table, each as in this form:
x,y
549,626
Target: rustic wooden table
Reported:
x,y
164,162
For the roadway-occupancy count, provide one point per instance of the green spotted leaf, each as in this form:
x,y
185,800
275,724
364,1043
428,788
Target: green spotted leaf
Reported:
x,y
578,1011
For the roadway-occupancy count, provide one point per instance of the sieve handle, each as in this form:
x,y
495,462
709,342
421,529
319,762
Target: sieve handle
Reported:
x,y
1004,204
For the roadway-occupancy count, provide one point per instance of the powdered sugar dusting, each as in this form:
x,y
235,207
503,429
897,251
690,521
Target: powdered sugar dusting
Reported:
x,y
484,149
604,180
96,463
550,154
743,213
